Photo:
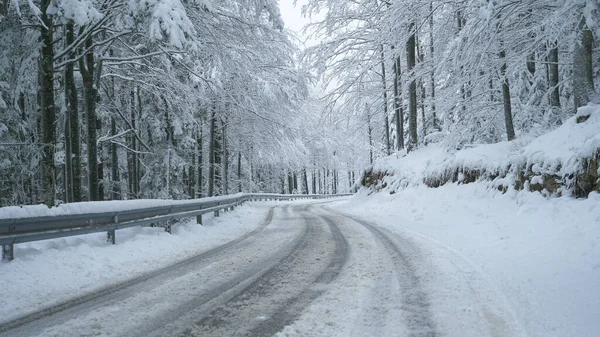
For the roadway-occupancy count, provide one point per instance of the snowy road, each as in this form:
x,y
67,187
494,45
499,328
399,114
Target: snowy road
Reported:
x,y
306,271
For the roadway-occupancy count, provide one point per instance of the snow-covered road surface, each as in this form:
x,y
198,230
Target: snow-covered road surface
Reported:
x,y
306,271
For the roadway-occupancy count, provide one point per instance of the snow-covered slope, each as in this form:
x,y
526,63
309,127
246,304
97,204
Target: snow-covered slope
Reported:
x,y
563,161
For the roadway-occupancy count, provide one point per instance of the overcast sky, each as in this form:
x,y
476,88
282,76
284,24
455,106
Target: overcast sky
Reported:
x,y
292,14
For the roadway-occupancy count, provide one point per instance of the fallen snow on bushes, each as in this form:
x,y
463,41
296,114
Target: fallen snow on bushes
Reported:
x,y
542,255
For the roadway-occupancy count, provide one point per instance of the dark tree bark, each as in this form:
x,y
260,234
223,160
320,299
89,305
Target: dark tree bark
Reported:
x,y
398,110
87,68
326,177
508,120
412,89
133,156
370,134
239,171
290,183
68,167
553,75
320,182
225,160
47,104
73,110
385,105
304,182
114,162
295,175
138,167
583,76
73,152
192,177
436,124
420,59
200,164
334,188
218,159
211,155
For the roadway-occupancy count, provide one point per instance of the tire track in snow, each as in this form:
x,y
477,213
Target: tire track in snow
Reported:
x,y
415,303
279,296
121,289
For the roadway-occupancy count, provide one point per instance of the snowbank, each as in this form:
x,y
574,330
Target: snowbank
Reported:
x,y
563,161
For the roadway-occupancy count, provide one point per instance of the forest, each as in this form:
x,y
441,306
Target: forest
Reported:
x,y
179,99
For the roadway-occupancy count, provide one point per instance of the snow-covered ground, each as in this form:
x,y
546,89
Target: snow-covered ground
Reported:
x,y
541,256
48,272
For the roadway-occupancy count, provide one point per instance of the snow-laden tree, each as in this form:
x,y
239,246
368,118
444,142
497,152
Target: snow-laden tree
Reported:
x,y
476,70
146,95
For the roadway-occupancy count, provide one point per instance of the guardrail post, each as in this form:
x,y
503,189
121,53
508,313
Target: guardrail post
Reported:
x,y
217,213
111,236
168,227
8,252
199,219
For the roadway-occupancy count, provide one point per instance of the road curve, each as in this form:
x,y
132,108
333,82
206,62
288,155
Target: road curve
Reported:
x,y
290,277
252,286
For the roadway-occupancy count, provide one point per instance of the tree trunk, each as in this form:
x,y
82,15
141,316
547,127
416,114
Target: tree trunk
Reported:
x,y
137,114
508,120
304,182
217,161
583,76
211,154
114,165
47,106
200,183
290,183
86,68
327,187
225,160
133,175
412,89
68,166
398,110
335,182
370,134
239,171
74,152
553,76
385,106
436,125
192,176
319,181
296,182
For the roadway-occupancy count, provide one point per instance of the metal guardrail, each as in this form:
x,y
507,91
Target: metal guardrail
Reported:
x,y
20,230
